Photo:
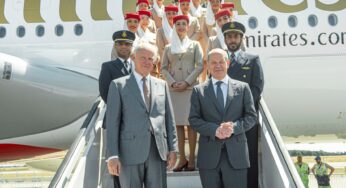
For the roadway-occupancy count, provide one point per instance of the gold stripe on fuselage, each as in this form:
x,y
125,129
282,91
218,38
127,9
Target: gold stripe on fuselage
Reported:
x,y
99,10
67,11
32,13
3,19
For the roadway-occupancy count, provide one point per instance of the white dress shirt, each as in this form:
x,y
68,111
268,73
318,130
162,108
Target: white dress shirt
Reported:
x,y
224,87
139,81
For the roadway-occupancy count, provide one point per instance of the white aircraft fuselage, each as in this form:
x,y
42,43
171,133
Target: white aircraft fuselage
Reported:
x,y
51,54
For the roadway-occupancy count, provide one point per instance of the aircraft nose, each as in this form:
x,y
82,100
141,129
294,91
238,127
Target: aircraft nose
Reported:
x,y
36,98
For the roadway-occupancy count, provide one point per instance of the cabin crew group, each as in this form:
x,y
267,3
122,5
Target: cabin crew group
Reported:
x,y
180,70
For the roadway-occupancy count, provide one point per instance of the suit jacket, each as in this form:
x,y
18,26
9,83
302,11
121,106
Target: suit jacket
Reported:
x,y
109,71
161,41
206,115
248,69
183,67
128,120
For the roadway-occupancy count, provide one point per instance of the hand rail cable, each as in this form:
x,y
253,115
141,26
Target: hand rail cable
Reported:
x,y
72,151
277,140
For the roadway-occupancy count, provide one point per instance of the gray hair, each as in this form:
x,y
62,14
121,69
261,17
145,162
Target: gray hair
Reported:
x,y
217,51
145,45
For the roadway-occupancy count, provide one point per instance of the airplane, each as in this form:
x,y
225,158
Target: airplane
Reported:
x,y
51,53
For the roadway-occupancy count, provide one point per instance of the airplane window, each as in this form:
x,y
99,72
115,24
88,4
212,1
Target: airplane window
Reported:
x,y
40,30
292,21
253,23
59,30
2,32
312,20
272,22
78,29
333,20
20,31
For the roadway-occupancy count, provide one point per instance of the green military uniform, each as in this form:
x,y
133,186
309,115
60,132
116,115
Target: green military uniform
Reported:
x,y
320,171
303,170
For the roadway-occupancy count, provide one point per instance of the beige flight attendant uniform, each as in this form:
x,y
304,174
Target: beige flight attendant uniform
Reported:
x,y
201,40
152,26
207,31
161,41
213,43
156,18
182,67
194,32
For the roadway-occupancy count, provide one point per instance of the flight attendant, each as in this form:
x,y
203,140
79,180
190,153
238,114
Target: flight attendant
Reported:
x,y
158,12
218,41
194,32
182,64
164,34
144,5
208,28
143,31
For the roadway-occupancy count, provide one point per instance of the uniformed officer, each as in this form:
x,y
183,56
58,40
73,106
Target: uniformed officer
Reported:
x,y
121,66
131,24
320,170
245,67
303,170
117,68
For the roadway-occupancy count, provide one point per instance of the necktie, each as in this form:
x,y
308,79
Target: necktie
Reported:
x,y
127,66
219,94
146,93
233,60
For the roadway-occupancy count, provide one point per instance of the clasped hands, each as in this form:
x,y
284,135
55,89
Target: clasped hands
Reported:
x,y
180,86
225,130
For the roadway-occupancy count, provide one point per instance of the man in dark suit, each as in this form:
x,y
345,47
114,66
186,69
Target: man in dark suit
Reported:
x,y
222,110
141,135
115,69
247,68
119,67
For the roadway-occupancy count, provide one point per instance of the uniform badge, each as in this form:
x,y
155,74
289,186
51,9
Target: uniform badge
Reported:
x,y
245,68
232,26
124,35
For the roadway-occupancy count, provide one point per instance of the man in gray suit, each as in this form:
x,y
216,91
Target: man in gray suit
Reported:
x,y
245,67
141,133
222,110
117,68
